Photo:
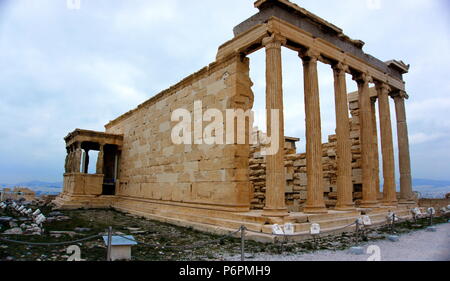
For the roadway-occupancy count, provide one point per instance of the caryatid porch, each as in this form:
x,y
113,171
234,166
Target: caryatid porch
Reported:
x,y
344,56
77,179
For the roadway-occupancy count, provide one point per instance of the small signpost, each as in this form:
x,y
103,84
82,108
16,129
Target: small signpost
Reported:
x,y
431,211
276,229
315,231
366,221
289,229
120,248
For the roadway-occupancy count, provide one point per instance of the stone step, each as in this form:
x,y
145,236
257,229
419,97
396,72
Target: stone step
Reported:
x,y
332,215
381,218
261,230
251,217
305,227
231,224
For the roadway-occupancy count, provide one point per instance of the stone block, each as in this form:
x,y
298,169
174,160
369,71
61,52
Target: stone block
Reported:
x,y
431,229
393,238
354,105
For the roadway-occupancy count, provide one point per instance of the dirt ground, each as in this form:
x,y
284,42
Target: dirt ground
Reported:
x,y
190,244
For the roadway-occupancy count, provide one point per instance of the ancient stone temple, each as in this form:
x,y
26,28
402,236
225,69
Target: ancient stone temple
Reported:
x,y
219,187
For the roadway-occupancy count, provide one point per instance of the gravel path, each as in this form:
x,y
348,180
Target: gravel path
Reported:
x,y
414,246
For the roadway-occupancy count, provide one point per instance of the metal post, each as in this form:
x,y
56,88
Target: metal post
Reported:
x,y
393,223
242,242
431,219
357,232
108,254
283,242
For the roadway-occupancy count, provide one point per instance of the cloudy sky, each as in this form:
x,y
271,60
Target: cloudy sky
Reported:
x,y
62,69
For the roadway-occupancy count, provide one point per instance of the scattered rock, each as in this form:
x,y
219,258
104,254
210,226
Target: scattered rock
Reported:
x,y
55,214
12,224
62,218
375,236
393,238
431,229
57,218
82,229
138,232
5,219
357,250
133,228
70,233
14,231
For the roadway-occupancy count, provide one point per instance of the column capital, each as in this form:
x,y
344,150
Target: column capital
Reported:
x,y
383,87
309,55
340,67
362,78
400,95
274,41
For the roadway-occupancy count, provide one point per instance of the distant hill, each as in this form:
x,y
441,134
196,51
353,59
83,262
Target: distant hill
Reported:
x,y
431,188
41,184
40,187
428,182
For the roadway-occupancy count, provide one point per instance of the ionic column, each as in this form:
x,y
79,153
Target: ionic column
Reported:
x,y
406,193
275,174
376,167
387,145
369,190
99,167
314,202
343,150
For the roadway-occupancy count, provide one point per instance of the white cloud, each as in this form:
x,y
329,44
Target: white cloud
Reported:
x,y
420,138
144,15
